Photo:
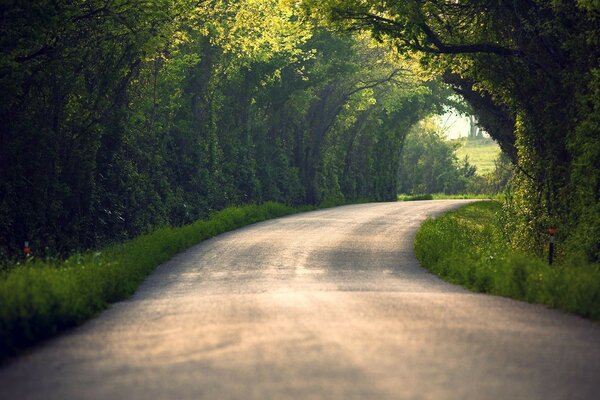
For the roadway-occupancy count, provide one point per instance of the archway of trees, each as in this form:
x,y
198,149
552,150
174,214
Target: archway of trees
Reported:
x,y
120,116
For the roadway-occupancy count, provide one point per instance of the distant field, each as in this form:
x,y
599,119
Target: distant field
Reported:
x,y
482,153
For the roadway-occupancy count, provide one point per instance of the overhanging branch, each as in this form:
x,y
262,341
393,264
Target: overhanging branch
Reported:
x,y
437,46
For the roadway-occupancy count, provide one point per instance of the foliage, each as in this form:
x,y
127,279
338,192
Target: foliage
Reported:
x,y
495,182
40,298
428,164
444,196
469,247
482,153
415,197
530,72
119,117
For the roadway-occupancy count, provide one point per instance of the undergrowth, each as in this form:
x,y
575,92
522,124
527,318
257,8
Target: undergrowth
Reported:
x,y
467,247
39,299
443,196
414,197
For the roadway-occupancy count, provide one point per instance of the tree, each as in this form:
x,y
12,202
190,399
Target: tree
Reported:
x,y
122,116
529,70
429,164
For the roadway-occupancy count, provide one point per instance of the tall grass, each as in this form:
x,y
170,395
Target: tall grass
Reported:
x,y
39,299
467,247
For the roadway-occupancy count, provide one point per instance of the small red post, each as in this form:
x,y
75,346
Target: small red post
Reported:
x,y
26,249
552,231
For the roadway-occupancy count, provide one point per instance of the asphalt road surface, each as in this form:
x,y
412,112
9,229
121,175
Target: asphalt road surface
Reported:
x,y
324,305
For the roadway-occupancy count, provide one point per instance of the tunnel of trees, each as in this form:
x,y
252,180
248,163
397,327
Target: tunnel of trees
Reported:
x,y
531,72
119,116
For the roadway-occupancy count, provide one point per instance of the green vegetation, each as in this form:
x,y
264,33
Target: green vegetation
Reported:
x,y
530,72
470,247
482,153
444,196
40,298
428,163
118,117
414,197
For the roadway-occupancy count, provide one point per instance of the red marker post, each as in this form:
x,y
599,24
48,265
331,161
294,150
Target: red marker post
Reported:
x,y
26,249
552,231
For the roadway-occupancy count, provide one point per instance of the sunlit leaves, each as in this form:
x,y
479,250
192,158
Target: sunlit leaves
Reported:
x,y
119,116
250,29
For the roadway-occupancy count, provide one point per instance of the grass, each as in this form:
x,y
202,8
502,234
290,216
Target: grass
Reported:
x,y
414,197
467,247
482,153
39,299
443,196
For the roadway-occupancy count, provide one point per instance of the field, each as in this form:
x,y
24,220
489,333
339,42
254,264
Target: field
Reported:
x,y
481,153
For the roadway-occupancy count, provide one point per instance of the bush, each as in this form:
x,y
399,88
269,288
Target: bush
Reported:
x,y
415,197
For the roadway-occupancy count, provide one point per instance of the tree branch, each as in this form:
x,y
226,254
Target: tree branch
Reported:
x,y
443,48
43,50
395,28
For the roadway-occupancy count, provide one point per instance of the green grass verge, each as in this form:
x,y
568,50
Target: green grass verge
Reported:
x,y
414,197
467,247
39,299
443,196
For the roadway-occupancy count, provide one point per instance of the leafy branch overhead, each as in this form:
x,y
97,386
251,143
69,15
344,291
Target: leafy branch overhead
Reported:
x,y
119,116
529,70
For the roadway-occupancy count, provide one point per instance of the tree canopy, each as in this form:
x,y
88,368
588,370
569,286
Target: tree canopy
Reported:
x,y
530,70
119,116
122,116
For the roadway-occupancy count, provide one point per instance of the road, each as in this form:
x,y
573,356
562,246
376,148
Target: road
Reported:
x,y
324,305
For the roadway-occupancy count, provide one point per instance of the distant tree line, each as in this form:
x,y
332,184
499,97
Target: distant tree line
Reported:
x,y
121,116
429,164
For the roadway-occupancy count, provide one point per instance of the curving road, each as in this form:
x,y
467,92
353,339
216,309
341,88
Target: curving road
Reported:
x,y
324,305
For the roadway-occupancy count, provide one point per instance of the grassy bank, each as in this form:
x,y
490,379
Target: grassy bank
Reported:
x,y
39,299
467,247
443,196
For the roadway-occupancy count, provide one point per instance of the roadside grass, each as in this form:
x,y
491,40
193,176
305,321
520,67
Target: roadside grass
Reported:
x,y
467,247
414,197
39,299
443,196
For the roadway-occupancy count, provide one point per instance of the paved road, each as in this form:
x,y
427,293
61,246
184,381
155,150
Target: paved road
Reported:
x,y
324,305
